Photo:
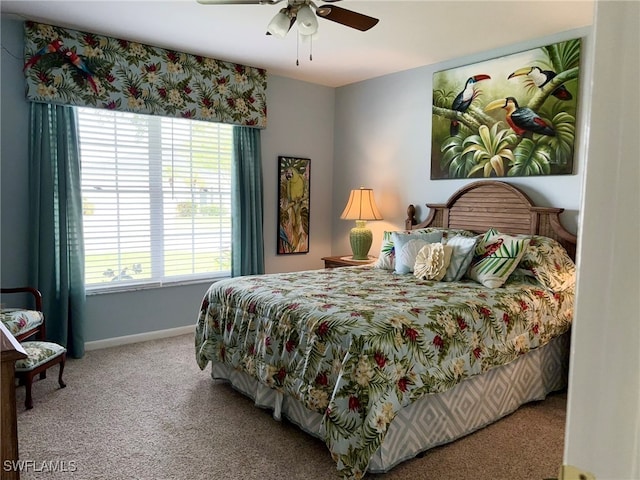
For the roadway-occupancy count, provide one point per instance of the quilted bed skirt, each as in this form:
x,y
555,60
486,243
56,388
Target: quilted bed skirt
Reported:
x,y
434,419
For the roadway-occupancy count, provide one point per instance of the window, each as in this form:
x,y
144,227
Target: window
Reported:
x,y
156,195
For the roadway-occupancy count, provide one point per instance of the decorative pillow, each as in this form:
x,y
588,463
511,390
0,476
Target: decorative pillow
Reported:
x,y
550,263
462,254
386,258
406,255
405,260
432,261
496,256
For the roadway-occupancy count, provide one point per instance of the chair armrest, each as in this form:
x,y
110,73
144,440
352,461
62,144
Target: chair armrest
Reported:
x,y
39,330
33,291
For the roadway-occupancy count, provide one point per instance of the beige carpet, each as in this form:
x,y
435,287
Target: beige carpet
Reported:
x,y
147,412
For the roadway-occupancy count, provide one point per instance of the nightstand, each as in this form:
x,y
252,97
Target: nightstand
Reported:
x,y
345,261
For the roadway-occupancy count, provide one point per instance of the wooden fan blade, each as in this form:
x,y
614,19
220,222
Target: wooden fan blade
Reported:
x,y
346,17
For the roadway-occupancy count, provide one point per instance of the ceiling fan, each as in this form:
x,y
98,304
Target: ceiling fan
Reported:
x,y
303,13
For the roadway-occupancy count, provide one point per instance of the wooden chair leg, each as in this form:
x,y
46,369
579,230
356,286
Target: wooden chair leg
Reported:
x,y
60,381
27,376
28,401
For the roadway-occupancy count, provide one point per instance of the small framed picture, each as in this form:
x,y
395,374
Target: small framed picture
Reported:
x,y
294,175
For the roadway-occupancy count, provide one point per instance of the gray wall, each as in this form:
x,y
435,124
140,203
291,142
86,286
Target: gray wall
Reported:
x,y
383,141
14,121
300,122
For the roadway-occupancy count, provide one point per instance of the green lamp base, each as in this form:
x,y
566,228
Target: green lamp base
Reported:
x,y
361,239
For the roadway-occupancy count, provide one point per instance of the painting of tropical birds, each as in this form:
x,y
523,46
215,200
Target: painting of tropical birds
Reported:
x,y
511,116
293,205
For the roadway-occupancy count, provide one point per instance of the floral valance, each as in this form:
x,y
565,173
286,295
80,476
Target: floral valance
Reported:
x,y
83,69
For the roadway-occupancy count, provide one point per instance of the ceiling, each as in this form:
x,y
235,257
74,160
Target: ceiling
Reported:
x,y
410,33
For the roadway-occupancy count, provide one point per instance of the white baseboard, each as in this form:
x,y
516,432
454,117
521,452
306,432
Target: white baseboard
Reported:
x,y
139,337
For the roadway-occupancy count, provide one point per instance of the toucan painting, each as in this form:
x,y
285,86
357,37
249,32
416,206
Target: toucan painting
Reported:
x,y
510,116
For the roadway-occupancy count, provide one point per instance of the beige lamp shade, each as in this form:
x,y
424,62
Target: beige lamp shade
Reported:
x,y
361,206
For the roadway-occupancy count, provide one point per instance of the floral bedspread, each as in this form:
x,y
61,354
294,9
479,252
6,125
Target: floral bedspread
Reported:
x,y
358,344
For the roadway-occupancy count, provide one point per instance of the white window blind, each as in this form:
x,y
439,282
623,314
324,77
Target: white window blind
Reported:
x,y
156,198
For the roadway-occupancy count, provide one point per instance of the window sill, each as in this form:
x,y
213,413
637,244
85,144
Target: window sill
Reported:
x,y
134,287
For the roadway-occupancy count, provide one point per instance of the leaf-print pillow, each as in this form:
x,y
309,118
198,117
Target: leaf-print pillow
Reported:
x,y
387,257
496,256
550,263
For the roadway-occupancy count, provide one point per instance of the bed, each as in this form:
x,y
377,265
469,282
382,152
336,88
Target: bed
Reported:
x,y
384,365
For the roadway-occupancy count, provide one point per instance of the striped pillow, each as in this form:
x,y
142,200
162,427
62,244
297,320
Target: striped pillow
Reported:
x,y
461,256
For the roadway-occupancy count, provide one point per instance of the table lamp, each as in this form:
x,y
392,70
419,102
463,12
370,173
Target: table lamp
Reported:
x,y
361,207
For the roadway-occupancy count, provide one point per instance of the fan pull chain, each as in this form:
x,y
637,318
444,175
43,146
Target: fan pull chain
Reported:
x,y
298,49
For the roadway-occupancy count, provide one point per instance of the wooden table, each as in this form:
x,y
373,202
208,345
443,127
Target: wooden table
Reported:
x,y
10,352
345,261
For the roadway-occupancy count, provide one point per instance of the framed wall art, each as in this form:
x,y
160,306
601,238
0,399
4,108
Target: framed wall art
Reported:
x,y
512,116
294,175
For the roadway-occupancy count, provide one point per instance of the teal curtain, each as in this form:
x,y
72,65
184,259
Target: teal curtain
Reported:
x,y
55,216
247,242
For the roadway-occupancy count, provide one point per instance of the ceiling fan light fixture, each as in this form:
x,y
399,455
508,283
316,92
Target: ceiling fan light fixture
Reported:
x,y
309,38
280,24
306,20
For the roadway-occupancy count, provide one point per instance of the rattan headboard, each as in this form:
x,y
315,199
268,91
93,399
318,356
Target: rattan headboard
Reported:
x,y
487,203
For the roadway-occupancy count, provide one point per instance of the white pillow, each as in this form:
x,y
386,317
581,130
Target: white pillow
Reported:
x,y
432,261
406,256
404,264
